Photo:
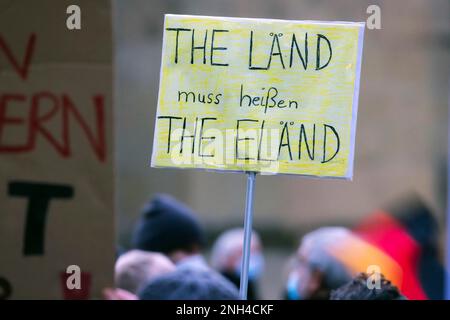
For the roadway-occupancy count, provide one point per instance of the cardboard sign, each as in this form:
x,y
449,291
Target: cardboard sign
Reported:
x,y
268,96
56,175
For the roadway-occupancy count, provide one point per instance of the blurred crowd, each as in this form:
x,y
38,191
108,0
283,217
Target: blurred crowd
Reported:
x,y
391,255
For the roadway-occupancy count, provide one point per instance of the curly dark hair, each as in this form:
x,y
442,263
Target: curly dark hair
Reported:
x,y
357,289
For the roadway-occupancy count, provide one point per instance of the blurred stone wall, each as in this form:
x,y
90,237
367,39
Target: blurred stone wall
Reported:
x,y
401,141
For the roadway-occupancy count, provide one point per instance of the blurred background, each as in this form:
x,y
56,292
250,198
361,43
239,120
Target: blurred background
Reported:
x,y
401,145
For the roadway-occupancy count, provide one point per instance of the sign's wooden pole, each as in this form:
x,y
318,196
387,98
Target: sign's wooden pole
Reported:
x,y
447,262
248,219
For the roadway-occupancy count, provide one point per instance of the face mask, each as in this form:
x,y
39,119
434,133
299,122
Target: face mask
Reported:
x,y
255,268
292,287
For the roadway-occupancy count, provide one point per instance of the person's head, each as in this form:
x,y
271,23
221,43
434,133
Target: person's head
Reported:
x,y
189,284
226,254
135,268
366,287
315,270
226,258
169,227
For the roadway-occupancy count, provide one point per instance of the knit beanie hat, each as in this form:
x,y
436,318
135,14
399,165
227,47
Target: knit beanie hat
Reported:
x,y
167,225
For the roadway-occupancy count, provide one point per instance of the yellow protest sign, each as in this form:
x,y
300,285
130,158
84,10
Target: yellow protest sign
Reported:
x,y
270,96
